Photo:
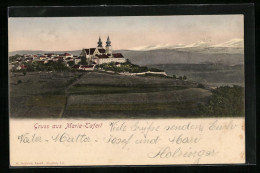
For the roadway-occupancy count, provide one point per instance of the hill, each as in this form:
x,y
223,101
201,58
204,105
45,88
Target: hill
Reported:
x,y
101,95
211,74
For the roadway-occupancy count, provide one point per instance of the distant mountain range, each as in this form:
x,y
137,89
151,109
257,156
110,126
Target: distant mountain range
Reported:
x,y
227,53
234,43
172,56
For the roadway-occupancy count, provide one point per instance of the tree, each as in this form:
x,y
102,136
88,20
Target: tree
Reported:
x,y
128,61
30,67
180,77
174,76
83,60
184,77
71,63
49,68
14,58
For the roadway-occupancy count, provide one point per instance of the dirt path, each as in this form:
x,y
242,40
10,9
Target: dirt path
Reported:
x,y
67,95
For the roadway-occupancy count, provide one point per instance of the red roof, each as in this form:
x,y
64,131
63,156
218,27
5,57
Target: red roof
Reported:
x,y
23,66
75,66
87,66
102,56
67,54
118,55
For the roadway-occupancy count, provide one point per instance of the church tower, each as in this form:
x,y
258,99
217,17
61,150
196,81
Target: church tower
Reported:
x,y
99,43
108,46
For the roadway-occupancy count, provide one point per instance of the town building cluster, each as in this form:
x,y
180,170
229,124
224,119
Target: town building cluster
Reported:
x,y
91,57
65,58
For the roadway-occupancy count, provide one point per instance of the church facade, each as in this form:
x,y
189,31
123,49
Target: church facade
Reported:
x,y
100,55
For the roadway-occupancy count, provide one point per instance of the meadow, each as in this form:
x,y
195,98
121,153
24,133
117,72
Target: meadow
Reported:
x,y
94,94
104,95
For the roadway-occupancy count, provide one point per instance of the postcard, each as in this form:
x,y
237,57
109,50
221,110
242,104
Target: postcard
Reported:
x,y
126,90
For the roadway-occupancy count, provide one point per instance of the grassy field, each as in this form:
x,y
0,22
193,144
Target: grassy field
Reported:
x,y
38,95
111,89
102,95
47,101
132,107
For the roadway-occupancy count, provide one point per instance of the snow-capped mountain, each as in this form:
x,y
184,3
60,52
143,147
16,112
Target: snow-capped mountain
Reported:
x,y
234,43
197,44
231,43
159,46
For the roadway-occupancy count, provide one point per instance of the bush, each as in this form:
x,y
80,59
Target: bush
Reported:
x,y
19,81
14,58
71,63
155,70
200,86
225,101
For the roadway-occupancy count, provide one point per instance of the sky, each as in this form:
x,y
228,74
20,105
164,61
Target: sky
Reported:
x,y
74,33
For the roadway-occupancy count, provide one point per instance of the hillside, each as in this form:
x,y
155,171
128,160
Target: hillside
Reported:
x,y
211,74
100,95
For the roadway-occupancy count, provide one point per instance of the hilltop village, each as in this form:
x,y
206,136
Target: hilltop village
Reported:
x,y
88,59
98,58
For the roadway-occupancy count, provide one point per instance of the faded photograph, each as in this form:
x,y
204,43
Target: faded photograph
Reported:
x,y
126,67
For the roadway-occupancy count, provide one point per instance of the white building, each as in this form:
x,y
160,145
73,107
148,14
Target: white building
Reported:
x,y
99,55
77,60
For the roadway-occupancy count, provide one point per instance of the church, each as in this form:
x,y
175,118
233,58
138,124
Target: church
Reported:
x,y
100,55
